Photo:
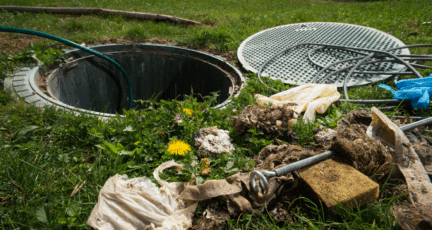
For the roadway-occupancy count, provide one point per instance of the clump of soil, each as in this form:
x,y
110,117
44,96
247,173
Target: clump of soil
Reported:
x,y
357,149
215,216
413,217
275,156
271,120
360,117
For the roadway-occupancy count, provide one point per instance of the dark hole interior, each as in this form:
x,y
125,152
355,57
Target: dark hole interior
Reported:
x,y
95,84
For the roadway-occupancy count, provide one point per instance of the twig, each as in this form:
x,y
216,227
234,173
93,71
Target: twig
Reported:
x,y
76,189
78,10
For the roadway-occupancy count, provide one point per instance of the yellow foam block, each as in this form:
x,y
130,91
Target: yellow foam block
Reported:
x,y
330,181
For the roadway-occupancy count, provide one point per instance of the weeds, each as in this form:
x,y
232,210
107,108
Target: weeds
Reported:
x,y
53,163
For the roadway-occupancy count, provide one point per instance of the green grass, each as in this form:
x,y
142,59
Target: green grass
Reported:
x,y
46,153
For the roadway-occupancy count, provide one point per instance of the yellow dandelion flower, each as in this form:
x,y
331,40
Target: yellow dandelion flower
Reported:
x,y
188,111
136,143
178,147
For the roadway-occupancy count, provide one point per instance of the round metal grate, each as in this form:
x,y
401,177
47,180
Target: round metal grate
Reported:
x,y
297,68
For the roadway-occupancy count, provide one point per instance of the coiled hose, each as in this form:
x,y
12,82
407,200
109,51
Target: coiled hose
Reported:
x,y
72,44
402,59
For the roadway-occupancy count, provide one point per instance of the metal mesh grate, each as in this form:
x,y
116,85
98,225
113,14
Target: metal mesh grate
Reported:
x,y
295,67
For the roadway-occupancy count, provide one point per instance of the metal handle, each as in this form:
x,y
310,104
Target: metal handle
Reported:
x,y
284,170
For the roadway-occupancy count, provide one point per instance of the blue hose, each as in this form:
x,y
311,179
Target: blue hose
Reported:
x,y
73,44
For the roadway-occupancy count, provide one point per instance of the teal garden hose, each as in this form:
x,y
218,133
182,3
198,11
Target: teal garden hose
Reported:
x,y
72,44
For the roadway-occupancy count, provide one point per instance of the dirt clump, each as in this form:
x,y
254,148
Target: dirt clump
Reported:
x,y
413,217
215,216
275,156
421,146
357,149
325,137
271,120
238,193
361,117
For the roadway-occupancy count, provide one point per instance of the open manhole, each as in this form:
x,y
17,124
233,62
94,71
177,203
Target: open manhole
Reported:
x,y
92,84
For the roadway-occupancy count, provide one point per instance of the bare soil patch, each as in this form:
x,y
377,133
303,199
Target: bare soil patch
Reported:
x,y
19,42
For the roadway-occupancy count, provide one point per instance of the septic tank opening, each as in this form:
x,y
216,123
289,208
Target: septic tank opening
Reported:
x,y
164,72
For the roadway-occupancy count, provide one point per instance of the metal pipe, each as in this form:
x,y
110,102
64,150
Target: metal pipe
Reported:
x,y
284,170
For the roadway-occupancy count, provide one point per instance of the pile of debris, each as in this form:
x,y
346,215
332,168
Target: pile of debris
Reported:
x,y
274,121
363,146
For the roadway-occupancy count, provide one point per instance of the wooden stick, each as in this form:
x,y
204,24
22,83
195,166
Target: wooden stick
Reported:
x,y
79,10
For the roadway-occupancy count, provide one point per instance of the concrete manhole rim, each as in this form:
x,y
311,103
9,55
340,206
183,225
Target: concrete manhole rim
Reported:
x,y
23,83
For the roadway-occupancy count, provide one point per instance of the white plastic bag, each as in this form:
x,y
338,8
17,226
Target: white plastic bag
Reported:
x,y
310,98
139,204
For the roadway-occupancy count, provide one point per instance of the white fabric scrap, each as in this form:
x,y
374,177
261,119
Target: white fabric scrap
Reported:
x,y
309,98
139,204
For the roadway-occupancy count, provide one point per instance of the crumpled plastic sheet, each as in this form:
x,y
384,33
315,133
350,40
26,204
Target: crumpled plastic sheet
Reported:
x,y
309,98
213,141
417,90
418,182
139,204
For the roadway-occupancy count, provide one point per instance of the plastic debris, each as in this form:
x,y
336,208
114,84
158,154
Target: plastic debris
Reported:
x,y
213,141
417,90
405,157
139,204
309,98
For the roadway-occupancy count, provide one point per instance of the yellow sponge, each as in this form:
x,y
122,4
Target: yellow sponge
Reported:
x,y
330,180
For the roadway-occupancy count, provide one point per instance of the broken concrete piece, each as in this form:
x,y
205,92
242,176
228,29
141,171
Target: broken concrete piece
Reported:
x,y
409,163
331,181
325,137
213,141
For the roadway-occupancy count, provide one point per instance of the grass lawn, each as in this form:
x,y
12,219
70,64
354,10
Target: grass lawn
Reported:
x,y
45,154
